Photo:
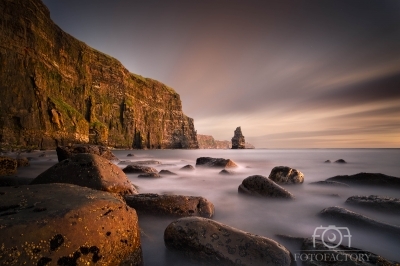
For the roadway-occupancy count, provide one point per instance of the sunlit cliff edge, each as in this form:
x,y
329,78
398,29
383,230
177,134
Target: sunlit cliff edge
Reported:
x,y
56,90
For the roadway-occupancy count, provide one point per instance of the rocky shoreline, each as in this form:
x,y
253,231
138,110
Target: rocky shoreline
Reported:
x,y
84,210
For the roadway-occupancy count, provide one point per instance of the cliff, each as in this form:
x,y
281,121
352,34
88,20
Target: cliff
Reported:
x,y
208,142
56,90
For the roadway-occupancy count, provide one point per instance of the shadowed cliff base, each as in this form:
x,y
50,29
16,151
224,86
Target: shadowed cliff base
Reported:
x,y
56,90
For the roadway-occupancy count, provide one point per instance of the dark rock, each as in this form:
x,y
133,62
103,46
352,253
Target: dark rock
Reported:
x,y
327,161
187,168
166,172
130,155
359,220
139,169
226,172
68,222
378,203
42,155
340,161
329,183
213,243
238,141
259,185
68,151
149,175
215,162
174,205
341,255
286,175
8,166
370,179
88,170
22,161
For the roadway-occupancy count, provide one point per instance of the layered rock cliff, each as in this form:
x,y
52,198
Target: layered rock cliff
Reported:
x,y
56,90
208,142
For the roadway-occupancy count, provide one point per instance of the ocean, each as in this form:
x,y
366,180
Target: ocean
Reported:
x,y
262,216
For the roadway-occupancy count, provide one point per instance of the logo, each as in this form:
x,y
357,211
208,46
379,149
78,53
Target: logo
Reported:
x,y
331,234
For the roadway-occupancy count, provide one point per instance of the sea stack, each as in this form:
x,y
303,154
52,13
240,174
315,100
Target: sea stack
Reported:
x,y
238,141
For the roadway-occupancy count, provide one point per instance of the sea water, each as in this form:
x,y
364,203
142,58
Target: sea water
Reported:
x,y
263,216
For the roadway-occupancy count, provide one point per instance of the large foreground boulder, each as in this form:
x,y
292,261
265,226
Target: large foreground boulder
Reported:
x,y
88,170
65,152
215,162
343,215
368,179
8,166
286,175
214,243
377,203
174,205
259,185
63,224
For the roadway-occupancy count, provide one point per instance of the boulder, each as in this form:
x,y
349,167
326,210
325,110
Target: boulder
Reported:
x,y
65,152
139,169
149,175
64,224
378,203
8,166
213,243
130,155
340,161
341,255
166,172
174,205
187,168
329,183
238,141
215,162
259,185
88,170
343,215
368,179
226,172
22,162
286,175
327,161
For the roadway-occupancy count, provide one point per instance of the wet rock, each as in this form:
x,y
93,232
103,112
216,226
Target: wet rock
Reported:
x,y
378,203
215,162
166,172
66,152
213,243
359,220
259,185
138,169
64,224
150,175
8,166
286,175
340,161
130,155
174,205
226,172
341,255
368,179
327,161
187,168
329,183
22,161
238,141
88,170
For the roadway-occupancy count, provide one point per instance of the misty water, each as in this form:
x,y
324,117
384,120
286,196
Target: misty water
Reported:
x,y
263,216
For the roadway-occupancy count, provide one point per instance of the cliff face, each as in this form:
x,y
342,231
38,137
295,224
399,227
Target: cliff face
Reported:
x,y
208,142
55,90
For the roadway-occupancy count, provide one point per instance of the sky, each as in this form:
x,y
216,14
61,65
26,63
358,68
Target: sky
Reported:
x,y
292,74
